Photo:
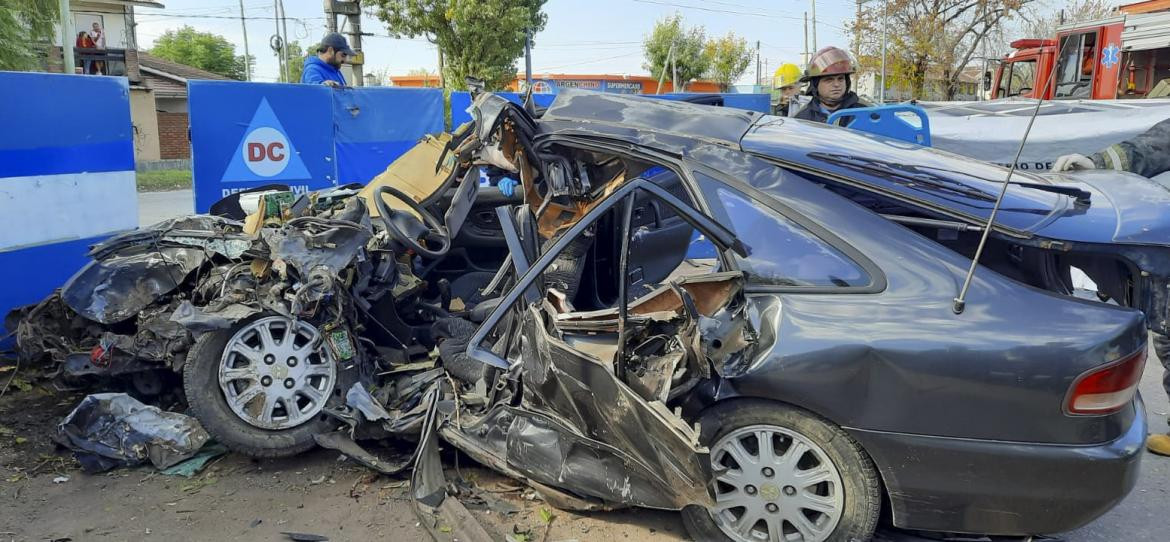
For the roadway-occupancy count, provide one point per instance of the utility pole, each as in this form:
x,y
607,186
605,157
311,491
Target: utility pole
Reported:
x,y
882,92
857,33
247,52
528,59
67,40
352,10
284,43
804,57
674,74
814,24
662,74
277,43
758,81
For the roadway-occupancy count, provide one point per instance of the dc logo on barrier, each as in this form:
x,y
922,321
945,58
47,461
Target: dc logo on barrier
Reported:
x,y
265,153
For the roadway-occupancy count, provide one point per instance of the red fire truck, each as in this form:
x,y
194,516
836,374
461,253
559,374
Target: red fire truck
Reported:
x,y
1126,56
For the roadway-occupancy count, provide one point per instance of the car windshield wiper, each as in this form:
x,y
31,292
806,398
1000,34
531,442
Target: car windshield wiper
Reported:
x,y
905,174
1082,196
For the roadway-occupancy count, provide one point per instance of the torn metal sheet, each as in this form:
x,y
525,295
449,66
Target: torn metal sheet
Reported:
x,y
312,242
357,397
117,288
199,319
444,518
342,442
563,384
228,248
108,430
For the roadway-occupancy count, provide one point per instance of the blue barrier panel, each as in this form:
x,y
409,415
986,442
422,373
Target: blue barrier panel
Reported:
x,y
375,125
461,100
66,177
245,135
752,102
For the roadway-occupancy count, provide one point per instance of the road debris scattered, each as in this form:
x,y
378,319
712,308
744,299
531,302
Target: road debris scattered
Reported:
x,y
109,430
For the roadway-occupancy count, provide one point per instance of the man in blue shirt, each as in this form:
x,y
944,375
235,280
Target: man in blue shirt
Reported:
x,y
324,68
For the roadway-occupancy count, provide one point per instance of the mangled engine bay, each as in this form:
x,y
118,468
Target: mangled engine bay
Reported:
x,y
315,321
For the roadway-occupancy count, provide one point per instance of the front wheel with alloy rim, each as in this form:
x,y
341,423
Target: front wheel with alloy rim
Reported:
x,y
260,388
784,475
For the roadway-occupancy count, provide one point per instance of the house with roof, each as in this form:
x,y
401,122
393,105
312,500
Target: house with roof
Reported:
x,y
103,42
167,82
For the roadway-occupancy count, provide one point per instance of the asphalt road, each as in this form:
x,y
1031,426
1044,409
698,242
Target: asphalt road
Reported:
x,y
1144,515
157,206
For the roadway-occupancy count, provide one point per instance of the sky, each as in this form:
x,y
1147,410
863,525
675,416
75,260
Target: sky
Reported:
x,y
582,36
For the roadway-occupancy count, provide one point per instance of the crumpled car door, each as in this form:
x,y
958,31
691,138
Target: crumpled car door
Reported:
x,y
579,426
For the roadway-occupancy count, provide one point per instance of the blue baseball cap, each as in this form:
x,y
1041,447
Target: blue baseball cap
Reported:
x,y
337,42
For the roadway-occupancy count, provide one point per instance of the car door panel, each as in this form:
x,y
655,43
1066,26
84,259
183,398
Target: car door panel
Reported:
x,y
660,460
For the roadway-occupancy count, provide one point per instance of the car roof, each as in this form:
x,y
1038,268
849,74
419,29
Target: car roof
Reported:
x,y
950,182
940,179
643,113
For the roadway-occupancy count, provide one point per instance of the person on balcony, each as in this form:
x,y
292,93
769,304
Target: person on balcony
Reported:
x,y
84,46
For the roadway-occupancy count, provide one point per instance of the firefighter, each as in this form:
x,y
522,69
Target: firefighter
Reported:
x,y
786,81
1146,154
827,75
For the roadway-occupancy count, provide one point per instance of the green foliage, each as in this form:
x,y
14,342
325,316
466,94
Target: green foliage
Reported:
x,y
929,41
476,38
296,62
202,50
727,58
26,31
164,179
689,61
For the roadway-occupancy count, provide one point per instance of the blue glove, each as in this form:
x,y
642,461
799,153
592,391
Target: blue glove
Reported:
x,y
507,186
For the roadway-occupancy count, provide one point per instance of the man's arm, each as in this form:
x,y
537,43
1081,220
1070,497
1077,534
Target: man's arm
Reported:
x,y
312,76
1146,154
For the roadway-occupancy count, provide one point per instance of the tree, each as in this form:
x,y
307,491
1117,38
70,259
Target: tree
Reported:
x,y
1041,19
202,50
687,61
476,38
727,58
296,62
929,39
25,22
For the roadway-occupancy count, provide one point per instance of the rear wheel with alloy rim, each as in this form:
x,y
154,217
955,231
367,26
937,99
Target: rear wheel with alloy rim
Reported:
x,y
783,474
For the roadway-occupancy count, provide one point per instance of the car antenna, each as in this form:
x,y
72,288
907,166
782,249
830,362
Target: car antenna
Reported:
x,y
960,302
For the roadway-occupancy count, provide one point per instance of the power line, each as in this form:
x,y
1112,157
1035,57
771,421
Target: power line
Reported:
x,y
232,17
583,62
734,12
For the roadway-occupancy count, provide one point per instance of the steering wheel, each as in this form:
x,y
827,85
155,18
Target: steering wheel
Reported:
x,y
407,229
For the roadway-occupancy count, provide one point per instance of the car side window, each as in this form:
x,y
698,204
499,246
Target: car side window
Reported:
x,y
780,251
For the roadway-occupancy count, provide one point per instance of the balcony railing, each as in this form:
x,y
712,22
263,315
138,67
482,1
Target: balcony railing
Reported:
x,y
99,61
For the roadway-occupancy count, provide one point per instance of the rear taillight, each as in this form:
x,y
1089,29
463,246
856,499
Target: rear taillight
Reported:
x,y
1107,389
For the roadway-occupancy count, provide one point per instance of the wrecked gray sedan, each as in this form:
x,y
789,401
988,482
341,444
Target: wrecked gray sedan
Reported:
x,y
745,318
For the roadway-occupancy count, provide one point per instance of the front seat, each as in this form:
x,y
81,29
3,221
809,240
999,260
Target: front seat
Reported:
x,y
530,242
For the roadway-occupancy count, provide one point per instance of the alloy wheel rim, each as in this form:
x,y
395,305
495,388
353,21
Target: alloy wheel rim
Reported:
x,y
776,485
276,374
